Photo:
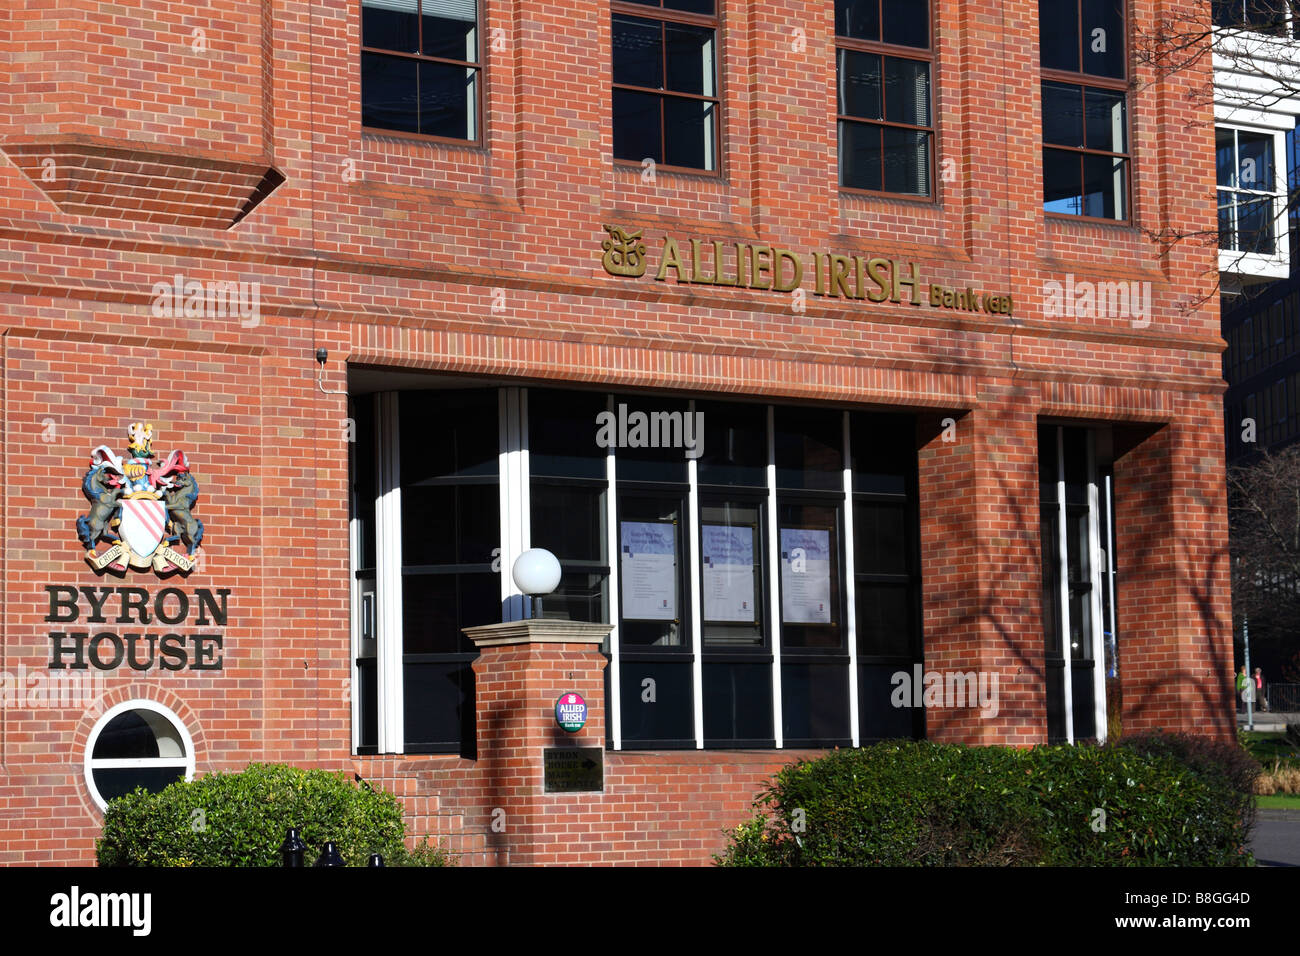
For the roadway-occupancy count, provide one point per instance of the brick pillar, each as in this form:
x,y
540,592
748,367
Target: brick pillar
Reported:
x,y
981,574
1172,584
522,669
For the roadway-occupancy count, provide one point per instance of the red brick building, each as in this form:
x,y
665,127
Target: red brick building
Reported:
x,y
837,323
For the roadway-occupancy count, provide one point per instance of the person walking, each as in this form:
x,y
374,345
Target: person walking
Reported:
x,y
1244,686
1259,689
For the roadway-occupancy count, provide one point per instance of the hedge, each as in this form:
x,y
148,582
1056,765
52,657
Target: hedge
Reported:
x,y
239,819
916,803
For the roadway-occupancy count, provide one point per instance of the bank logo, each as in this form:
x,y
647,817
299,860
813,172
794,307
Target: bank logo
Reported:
x,y
141,508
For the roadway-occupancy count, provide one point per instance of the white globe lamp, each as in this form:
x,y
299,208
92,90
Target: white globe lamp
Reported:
x,y
536,572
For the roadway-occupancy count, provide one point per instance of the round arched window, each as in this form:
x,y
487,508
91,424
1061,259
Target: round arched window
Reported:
x,y
137,744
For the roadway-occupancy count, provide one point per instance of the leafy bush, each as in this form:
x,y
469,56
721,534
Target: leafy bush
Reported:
x,y
239,819
917,803
1227,767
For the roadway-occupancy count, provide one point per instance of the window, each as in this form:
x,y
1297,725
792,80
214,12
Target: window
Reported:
x,y
420,67
1258,16
1085,121
666,101
761,594
137,744
883,66
1249,204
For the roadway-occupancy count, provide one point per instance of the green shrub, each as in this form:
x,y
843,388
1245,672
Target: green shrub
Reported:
x,y
1226,766
239,819
915,803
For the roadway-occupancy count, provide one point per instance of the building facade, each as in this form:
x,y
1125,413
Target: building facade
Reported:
x,y
824,343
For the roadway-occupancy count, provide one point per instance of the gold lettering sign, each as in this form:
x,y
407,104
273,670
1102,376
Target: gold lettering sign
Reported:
x,y
772,269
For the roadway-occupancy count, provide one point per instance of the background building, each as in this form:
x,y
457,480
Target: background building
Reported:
x,y
959,415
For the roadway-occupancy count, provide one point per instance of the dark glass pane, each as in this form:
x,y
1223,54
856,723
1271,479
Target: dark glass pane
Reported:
x,y
386,28
436,606
1084,710
1076,465
127,736
1103,38
1055,703
809,448
691,65
906,22
1225,161
1106,120
735,444
706,7
638,52
568,521
580,596
1104,187
1255,161
1058,35
389,93
438,706
654,446
1063,114
1047,465
810,576
731,559
367,672
365,454
860,160
688,133
859,84
880,539
448,100
883,451
652,603
879,693
737,701
858,19
450,29
118,782
636,126
1255,225
907,161
1062,182
885,620
448,434
662,709
1050,542
907,91
815,702
450,524
562,430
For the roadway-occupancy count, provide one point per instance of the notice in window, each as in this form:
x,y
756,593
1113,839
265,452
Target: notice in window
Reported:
x,y
728,574
649,570
806,575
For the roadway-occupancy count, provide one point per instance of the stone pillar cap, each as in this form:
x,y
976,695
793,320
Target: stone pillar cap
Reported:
x,y
541,631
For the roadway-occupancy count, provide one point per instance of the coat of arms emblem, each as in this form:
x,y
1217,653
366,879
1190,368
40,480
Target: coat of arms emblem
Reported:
x,y
141,507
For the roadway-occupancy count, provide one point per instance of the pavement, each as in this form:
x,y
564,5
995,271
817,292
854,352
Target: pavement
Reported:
x,y
1275,841
1268,721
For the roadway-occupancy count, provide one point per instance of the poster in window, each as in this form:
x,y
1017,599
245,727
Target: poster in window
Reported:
x,y
806,575
649,570
728,561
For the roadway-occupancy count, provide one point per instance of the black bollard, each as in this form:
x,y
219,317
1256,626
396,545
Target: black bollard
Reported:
x,y
292,849
329,855
375,860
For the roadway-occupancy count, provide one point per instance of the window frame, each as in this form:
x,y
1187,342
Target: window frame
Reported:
x,y
1239,260
663,16
480,101
91,763
1093,81
928,55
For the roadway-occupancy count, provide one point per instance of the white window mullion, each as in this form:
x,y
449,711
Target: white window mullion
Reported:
x,y
354,586
513,497
773,578
697,631
614,704
850,590
1063,578
1094,550
388,581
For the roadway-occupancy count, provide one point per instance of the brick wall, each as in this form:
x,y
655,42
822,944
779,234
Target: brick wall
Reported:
x,y
393,251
